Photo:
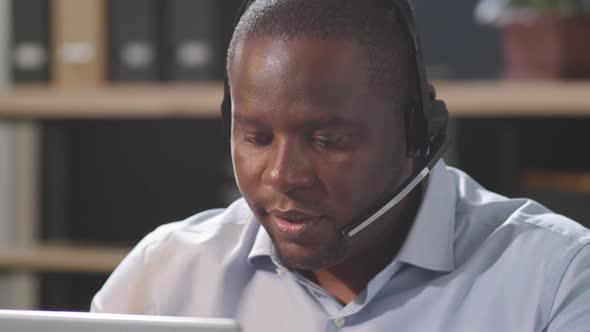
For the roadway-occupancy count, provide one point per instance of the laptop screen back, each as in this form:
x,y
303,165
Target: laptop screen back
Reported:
x,y
32,321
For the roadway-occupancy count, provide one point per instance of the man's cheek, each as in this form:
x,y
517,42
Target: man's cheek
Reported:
x,y
248,164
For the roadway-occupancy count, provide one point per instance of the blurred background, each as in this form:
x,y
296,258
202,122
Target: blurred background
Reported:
x,y
109,122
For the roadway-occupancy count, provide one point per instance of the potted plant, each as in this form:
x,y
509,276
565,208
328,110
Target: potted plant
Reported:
x,y
542,38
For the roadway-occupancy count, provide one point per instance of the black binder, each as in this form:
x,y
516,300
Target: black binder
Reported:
x,y
193,44
114,181
30,41
133,40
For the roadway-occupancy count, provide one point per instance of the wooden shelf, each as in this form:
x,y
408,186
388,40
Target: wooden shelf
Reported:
x,y
516,98
464,99
62,258
123,101
560,181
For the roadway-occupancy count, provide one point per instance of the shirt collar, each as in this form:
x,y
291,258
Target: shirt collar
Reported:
x,y
263,246
430,241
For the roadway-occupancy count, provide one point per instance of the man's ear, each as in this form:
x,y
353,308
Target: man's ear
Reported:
x,y
431,92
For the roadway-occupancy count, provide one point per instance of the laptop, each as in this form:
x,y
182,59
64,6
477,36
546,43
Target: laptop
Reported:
x,y
48,321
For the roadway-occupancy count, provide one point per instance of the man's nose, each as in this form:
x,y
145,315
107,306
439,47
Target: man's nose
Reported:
x,y
289,167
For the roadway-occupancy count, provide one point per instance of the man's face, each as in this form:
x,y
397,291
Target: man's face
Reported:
x,y
312,145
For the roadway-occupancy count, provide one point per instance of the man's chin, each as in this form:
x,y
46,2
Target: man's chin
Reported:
x,y
297,257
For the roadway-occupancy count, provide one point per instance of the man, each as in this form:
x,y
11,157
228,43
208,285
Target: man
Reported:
x,y
320,100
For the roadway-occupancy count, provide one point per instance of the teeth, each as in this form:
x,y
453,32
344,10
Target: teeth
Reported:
x,y
290,228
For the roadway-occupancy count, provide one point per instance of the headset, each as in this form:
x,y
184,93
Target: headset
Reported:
x,y
426,126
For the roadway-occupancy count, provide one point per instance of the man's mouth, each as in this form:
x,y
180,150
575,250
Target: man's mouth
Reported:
x,y
293,223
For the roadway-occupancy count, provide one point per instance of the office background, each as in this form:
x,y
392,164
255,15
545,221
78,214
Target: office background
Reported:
x,y
109,127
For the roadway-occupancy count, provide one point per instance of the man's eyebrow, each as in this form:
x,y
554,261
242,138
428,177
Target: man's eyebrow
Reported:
x,y
333,122
246,120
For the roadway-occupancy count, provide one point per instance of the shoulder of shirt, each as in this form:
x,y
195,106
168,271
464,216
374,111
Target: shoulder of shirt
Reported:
x,y
207,240
208,224
496,211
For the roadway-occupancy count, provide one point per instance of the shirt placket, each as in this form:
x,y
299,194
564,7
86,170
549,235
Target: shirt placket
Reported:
x,y
338,315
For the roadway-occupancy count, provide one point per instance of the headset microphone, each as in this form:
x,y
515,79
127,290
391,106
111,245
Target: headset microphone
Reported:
x,y
427,137
397,196
426,126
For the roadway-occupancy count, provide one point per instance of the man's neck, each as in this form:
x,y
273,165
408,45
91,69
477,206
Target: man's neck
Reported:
x,y
347,279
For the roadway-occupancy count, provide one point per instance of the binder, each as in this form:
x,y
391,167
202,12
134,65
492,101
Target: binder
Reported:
x,y
133,40
30,41
55,180
16,223
114,181
69,291
7,171
18,207
192,40
5,25
79,36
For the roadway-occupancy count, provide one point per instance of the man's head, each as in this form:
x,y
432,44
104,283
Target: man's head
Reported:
x,y
374,24
319,90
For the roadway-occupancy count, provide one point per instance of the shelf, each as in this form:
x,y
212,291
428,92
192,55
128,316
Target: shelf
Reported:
x,y
516,98
62,258
124,101
560,181
464,99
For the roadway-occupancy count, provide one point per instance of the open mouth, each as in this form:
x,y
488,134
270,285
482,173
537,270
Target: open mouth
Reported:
x,y
293,223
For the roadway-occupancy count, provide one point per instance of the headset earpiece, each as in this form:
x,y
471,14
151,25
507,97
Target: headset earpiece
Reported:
x,y
427,125
439,118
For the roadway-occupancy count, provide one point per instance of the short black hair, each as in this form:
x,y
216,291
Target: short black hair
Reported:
x,y
375,24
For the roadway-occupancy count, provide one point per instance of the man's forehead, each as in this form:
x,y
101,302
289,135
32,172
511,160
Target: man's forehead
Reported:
x,y
299,54
329,68
317,69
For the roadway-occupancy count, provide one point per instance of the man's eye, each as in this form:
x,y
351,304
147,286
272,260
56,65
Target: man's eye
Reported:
x,y
258,139
329,141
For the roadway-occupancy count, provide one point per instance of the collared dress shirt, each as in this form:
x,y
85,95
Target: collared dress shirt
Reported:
x,y
473,261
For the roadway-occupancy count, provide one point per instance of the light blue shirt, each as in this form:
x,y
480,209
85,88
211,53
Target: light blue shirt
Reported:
x,y
473,261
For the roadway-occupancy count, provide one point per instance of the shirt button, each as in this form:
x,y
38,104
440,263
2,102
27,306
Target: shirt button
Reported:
x,y
339,322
